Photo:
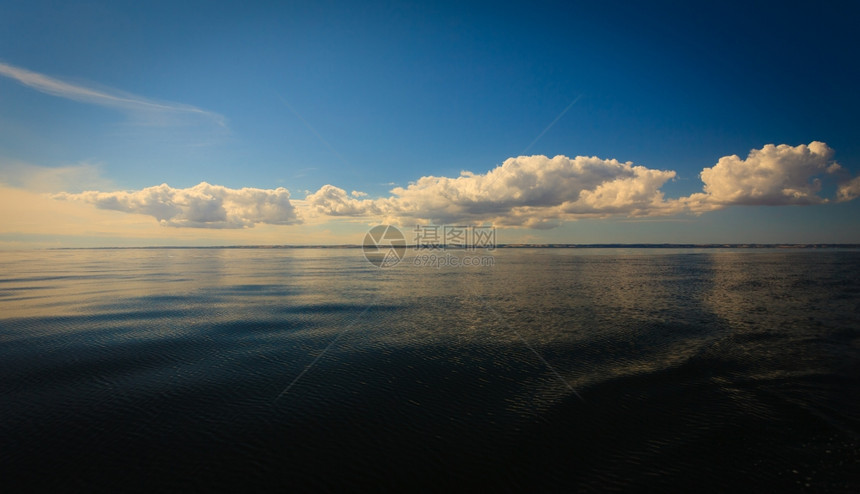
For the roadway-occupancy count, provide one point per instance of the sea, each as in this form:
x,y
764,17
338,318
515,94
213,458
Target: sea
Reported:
x,y
536,370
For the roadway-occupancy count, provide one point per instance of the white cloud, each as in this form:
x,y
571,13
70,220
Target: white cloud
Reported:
x,y
772,175
101,96
542,192
848,190
526,191
201,206
333,201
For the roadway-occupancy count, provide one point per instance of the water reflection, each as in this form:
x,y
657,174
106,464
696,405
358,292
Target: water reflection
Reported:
x,y
406,372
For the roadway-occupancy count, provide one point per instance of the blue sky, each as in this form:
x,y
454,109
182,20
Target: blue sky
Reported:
x,y
370,96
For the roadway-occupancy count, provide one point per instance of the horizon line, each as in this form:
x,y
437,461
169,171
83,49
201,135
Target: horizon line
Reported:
x,y
740,245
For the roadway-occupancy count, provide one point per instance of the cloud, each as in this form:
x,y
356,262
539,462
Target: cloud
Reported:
x,y
527,191
201,206
848,190
104,97
542,192
772,175
33,219
70,178
534,191
333,201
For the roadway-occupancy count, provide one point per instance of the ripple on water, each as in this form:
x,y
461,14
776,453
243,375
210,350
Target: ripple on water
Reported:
x,y
228,369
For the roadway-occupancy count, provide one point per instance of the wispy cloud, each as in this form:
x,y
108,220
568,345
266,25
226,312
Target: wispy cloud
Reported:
x,y
102,96
68,178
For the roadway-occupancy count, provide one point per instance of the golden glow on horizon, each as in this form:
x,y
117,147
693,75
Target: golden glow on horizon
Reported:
x,y
28,214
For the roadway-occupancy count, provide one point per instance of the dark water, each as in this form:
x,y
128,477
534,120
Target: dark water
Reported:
x,y
571,370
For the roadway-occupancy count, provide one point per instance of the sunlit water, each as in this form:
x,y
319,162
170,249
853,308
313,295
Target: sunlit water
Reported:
x,y
590,370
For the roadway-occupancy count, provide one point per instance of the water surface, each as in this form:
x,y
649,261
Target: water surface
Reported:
x,y
559,369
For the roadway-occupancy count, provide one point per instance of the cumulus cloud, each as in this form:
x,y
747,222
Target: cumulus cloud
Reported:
x,y
526,191
542,192
333,201
848,190
523,191
772,175
201,206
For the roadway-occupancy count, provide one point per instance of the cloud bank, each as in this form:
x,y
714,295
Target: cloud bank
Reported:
x,y
526,191
201,206
531,191
542,192
104,97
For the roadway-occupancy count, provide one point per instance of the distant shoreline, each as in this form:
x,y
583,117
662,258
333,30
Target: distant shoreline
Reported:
x,y
499,246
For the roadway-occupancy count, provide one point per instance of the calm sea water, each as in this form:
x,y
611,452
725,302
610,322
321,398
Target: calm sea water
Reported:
x,y
588,370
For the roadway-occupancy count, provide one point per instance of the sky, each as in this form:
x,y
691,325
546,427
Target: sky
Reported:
x,y
258,123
